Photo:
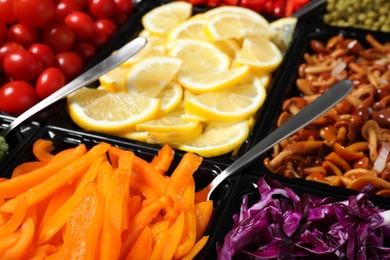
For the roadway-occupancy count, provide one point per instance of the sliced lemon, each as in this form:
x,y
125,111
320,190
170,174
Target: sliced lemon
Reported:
x,y
284,30
135,135
150,75
170,97
174,136
230,25
233,104
114,80
217,139
154,47
226,9
229,46
163,18
266,79
191,28
169,123
261,54
199,56
212,80
102,111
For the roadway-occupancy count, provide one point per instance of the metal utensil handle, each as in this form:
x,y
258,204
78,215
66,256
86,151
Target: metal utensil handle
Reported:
x,y
312,111
86,78
313,4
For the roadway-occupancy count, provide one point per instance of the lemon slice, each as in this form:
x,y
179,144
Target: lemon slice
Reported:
x,y
229,25
212,80
199,56
261,54
217,139
169,123
102,111
191,28
150,75
229,46
175,136
154,47
135,135
284,31
233,104
170,97
163,18
114,80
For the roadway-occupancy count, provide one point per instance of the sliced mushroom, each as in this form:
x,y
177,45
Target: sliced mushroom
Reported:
x,y
371,132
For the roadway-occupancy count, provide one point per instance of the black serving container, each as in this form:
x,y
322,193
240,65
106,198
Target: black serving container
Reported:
x,y
285,88
247,186
61,118
15,140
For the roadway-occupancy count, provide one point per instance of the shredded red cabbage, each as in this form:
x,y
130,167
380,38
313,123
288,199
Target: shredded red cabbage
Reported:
x,y
283,225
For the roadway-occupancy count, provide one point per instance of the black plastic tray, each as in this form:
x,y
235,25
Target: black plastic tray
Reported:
x,y
287,86
61,118
16,139
65,138
247,186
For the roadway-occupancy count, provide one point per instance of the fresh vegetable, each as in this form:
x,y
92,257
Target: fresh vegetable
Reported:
x,y
103,203
3,147
36,35
285,225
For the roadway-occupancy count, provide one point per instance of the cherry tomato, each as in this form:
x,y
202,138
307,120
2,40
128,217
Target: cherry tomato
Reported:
x,y
106,26
81,24
86,50
70,63
22,65
22,34
65,7
101,8
119,18
49,81
123,6
17,96
82,4
7,47
34,13
98,39
44,54
58,36
3,31
7,12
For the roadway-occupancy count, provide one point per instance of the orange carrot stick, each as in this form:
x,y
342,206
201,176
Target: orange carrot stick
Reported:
x,y
27,167
149,175
174,236
56,201
54,182
163,160
203,214
141,220
132,206
58,219
182,175
82,230
16,218
19,250
189,236
104,176
114,204
7,241
196,248
20,184
41,150
41,252
142,248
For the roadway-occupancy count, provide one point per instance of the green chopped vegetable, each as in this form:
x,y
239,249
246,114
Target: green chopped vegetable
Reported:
x,y
3,147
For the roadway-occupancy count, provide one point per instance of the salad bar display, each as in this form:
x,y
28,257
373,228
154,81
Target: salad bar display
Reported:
x,y
119,169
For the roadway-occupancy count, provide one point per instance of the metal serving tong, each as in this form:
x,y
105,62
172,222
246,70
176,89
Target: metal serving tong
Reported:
x,y
312,111
114,60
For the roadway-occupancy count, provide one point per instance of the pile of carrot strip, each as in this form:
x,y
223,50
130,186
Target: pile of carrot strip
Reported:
x,y
102,203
